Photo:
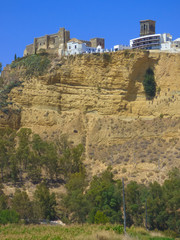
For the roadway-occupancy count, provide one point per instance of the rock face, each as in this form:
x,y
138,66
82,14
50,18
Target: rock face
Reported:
x,y
99,100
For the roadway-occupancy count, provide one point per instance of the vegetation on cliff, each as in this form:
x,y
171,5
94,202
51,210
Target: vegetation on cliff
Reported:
x,y
33,156
34,65
24,156
102,201
149,84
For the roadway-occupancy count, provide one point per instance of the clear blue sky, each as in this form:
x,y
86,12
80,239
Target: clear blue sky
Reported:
x,y
115,20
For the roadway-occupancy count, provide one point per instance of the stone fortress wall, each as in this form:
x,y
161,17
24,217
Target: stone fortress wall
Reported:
x,y
57,43
52,43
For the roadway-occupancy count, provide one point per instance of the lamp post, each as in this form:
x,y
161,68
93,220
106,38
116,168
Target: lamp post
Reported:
x,y
124,207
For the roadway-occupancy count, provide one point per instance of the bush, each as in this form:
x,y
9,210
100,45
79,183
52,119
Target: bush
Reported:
x,y
100,217
36,64
1,81
118,229
161,115
149,84
107,57
8,216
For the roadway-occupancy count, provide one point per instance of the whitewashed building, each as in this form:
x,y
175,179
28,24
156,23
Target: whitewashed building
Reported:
x,y
76,46
120,47
176,43
154,41
150,40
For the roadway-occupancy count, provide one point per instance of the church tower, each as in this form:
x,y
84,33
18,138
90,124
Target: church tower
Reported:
x,y
147,27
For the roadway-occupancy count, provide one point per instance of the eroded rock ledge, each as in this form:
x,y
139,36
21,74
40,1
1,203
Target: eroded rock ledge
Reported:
x,y
99,100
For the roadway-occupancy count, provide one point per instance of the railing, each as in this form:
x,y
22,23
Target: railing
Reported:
x,y
146,45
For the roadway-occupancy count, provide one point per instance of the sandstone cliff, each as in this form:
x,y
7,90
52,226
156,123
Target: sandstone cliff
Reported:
x,y
99,100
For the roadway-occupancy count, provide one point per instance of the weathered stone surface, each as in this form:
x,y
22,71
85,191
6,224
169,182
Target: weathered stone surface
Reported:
x,y
100,101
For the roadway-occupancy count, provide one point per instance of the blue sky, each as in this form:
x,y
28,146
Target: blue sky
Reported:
x,y
115,20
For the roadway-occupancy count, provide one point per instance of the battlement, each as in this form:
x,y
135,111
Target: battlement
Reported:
x,y
57,43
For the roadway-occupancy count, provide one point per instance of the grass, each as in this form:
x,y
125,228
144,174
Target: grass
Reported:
x,y
74,232
35,65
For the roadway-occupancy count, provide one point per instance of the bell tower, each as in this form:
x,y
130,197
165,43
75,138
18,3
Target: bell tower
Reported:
x,y
147,27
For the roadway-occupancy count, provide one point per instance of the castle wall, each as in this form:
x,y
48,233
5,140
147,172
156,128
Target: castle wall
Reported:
x,y
53,41
28,50
41,43
95,42
57,43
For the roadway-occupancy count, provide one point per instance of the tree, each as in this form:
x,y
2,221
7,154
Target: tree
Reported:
x,y
34,168
46,156
71,160
46,202
8,216
134,205
22,205
3,199
23,150
149,84
171,195
3,157
105,195
156,207
0,67
76,201
6,150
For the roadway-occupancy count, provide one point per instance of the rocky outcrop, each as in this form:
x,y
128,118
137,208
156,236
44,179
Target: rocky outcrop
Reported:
x,y
99,100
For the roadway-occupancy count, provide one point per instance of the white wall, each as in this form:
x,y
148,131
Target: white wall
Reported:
x,y
79,48
166,46
120,47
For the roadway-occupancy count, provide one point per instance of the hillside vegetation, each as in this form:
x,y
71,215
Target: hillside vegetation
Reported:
x,y
26,157
122,107
71,128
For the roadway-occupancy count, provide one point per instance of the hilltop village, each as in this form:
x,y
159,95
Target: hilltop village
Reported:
x,y
60,43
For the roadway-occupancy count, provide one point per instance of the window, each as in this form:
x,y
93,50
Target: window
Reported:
x,y
75,46
69,47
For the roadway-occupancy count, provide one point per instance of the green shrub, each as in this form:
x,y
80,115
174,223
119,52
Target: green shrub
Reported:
x,y
1,81
161,238
149,84
107,57
100,217
161,115
118,229
8,216
35,64
126,52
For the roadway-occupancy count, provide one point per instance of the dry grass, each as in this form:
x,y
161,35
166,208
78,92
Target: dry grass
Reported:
x,y
47,232
73,232
101,235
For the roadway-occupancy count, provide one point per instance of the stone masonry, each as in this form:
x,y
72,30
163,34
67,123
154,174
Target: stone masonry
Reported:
x,y
57,43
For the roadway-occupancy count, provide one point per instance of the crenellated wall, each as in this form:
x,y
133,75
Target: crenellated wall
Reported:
x,y
51,43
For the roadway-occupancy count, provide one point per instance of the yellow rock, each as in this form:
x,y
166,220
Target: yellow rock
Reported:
x,y
99,100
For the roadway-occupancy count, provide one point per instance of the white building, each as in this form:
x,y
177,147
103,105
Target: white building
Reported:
x,y
76,46
176,43
120,47
154,41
